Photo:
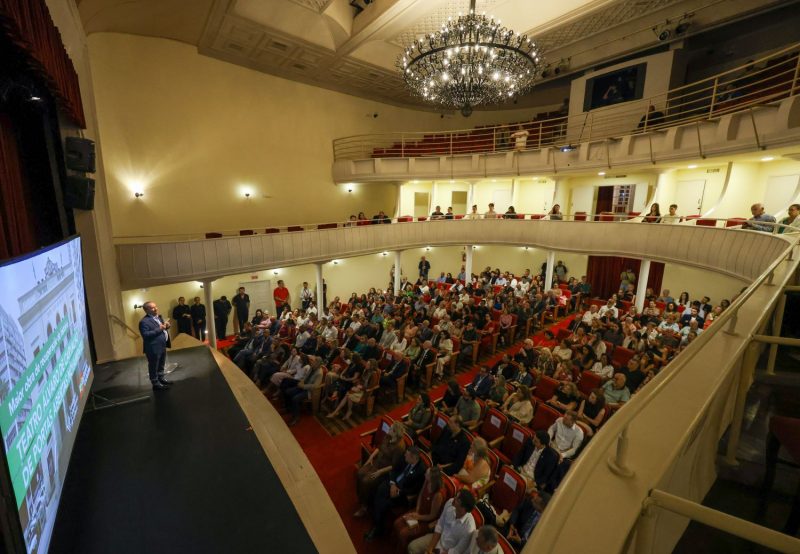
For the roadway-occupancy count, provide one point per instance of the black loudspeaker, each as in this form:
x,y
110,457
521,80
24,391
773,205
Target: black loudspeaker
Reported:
x,y
79,193
80,154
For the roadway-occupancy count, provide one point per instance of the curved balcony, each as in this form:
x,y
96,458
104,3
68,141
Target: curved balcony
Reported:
x,y
737,253
665,438
736,111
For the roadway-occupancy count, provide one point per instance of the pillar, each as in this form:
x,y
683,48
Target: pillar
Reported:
x,y
211,325
397,273
551,265
468,264
432,198
320,290
471,196
397,212
641,287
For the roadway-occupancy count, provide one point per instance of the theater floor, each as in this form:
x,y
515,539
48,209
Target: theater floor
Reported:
x,y
178,472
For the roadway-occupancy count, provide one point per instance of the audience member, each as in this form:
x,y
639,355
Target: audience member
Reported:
x,y
760,220
453,530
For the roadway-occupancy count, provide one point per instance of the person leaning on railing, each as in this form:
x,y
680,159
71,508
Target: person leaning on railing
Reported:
x,y
792,221
760,220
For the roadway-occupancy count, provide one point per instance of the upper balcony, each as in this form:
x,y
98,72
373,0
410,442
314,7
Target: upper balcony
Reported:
x,y
740,110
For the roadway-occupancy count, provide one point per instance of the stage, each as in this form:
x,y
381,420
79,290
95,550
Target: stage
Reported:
x,y
190,469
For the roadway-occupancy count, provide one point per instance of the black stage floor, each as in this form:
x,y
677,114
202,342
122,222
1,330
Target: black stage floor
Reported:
x,y
178,472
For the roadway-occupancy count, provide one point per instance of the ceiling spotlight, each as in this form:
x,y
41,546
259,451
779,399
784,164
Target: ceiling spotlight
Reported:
x,y
567,148
35,98
601,173
767,158
693,166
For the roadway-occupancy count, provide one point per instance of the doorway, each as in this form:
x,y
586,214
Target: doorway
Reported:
x,y
421,204
604,201
458,200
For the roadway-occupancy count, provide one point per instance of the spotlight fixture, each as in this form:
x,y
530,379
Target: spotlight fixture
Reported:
x,y
767,159
693,166
384,253
247,195
335,262
137,306
567,148
35,98
471,61
138,194
275,272
601,173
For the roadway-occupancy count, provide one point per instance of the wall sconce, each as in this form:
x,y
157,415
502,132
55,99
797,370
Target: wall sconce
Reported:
x,y
247,195
427,248
349,188
601,173
275,272
335,262
137,306
138,194
526,248
384,253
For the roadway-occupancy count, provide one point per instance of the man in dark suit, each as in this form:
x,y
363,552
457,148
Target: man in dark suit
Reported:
x,y
452,446
222,307
545,462
391,374
427,356
481,384
404,481
182,315
156,341
242,303
199,319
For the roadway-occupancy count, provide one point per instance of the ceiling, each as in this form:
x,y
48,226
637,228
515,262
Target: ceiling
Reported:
x,y
322,42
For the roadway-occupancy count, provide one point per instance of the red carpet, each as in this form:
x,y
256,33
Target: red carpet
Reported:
x,y
334,458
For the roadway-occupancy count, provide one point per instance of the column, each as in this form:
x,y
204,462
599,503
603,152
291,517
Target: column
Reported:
x,y
432,203
641,287
211,325
397,212
468,264
397,274
471,196
320,290
548,275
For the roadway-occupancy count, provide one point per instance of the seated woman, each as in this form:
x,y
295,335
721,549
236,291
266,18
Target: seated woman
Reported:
x,y
414,524
545,364
603,368
563,351
519,406
257,318
566,397
563,371
586,358
379,463
420,415
451,397
593,410
445,352
498,393
356,392
477,470
413,351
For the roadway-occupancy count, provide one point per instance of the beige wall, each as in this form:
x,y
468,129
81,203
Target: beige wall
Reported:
x,y
194,133
699,283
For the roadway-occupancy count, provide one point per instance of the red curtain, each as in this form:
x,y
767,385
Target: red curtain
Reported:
x,y
27,23
17,233
603,274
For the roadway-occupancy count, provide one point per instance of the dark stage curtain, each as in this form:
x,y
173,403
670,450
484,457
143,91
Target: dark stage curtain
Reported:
x,y
17,233
28,25
603,274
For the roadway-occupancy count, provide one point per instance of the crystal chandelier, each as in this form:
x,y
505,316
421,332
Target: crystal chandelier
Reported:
x,y
472,61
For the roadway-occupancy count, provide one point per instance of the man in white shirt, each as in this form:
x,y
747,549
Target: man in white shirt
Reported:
x,y
490,213
484,541
567,437
302,337
673,216
329,332
609,309
590,315
453,530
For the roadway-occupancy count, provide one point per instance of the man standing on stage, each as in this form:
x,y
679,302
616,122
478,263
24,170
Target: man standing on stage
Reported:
x,y
222,307
282,298
182,315
242,304
199,319
156,341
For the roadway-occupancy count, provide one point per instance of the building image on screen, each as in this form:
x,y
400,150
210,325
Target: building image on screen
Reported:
x,y
45,372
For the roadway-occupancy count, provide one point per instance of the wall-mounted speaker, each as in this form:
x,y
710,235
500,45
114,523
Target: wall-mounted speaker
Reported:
x,y
80,154
79,193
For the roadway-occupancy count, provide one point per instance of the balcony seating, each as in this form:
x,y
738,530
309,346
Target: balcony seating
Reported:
x,y
544,417
246,232
213,235
294,228
271,230
327,226
706,222
735,222
580,216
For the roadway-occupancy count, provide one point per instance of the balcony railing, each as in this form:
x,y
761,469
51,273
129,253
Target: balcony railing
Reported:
x,y
739,89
